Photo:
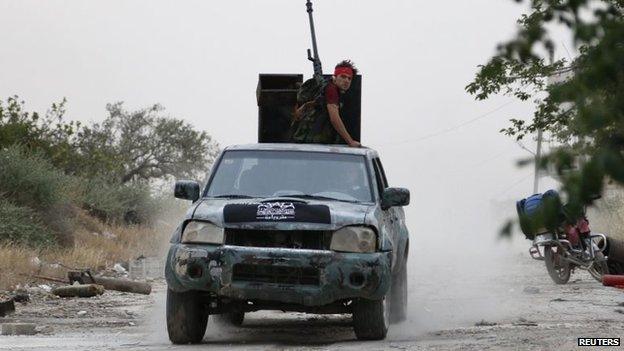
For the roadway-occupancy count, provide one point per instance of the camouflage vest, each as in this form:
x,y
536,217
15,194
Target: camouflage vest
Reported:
x,y
314,125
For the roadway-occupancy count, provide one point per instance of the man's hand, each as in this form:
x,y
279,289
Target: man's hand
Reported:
x,y
355,143
299,111
336,121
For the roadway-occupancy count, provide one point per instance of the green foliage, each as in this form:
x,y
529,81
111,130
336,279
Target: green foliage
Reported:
x,y
49,135
49,167
114,202
22,225
30,180
126,146
582,110
144,145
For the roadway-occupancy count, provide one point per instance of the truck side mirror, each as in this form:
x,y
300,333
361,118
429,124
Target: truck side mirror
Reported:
x,y
186,190
394,197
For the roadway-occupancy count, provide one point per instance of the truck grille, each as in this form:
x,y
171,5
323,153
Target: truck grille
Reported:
x,y
275,274
291,239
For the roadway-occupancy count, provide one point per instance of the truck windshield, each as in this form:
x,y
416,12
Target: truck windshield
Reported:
x,y
291,173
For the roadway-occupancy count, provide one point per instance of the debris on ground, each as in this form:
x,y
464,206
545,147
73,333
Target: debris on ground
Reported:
x,y
80,290
45,329
146,268
35,261
119,268
531,290
558,300
123,285
484,323
18,329
85,277
21,295
45,287
7,306
612,280
524,322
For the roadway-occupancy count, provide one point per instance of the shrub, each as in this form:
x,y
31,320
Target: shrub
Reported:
x,y
22,225
30,180
32,183
113,202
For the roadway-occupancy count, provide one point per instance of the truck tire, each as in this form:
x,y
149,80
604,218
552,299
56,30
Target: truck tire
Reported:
x,y
370,319
186,317
229,319
398,295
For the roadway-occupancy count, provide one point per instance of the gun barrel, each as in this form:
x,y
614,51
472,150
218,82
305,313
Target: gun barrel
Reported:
x,y
317,61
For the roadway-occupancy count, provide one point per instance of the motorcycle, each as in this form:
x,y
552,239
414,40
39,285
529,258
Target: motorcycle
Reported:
x,y
570,247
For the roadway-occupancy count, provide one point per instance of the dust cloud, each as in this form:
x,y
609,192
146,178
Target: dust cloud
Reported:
x,y
460,271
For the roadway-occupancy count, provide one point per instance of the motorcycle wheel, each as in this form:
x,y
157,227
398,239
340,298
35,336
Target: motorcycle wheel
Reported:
x,y
599,267
558,268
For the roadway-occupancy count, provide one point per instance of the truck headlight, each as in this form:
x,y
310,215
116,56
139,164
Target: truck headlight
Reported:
x,y
202,232
354,239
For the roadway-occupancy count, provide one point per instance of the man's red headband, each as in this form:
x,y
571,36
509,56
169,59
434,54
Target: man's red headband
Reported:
x,y
343,70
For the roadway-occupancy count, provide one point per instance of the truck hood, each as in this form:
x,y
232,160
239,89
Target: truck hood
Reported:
x,y
340,213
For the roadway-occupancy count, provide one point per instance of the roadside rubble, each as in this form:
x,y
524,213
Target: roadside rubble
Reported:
x,y
19,329
484,323
51,314
7,305
50,303
79,290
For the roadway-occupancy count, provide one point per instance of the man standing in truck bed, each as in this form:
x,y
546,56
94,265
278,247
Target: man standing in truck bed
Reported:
x,y
318,118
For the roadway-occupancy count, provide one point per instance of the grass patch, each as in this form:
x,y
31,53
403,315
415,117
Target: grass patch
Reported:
x,y
93,250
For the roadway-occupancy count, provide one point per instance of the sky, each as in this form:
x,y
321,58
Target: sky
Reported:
x,y
201,60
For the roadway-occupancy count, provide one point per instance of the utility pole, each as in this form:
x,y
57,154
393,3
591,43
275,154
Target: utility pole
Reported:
x,y
538,153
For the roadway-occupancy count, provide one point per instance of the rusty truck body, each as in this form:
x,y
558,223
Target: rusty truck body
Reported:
x,y
292,227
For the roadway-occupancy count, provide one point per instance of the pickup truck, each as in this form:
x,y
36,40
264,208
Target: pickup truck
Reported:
x,y
290,227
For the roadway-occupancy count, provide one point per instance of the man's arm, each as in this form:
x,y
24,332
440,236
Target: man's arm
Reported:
x,y
336,121
299,109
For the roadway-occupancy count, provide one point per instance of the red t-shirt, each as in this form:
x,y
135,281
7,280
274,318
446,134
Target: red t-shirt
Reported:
x,y
332,94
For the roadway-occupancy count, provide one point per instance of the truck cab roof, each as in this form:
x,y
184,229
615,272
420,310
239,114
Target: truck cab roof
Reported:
x,y
341,149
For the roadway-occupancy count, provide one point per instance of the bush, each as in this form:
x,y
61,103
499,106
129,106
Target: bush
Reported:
x,y
30,180
33,184
113,202
22,225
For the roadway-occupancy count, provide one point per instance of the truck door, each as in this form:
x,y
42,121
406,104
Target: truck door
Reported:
x,y
389,216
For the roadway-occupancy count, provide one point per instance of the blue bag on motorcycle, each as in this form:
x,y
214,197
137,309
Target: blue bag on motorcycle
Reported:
x,y
539,213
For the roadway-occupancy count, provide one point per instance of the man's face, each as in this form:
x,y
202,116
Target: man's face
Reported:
x,y
343,82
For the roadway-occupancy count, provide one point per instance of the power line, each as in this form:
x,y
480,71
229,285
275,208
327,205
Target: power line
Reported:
x,y
515,184
450,129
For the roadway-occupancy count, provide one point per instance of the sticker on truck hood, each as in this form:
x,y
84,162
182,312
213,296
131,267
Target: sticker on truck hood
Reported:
x,y
276,212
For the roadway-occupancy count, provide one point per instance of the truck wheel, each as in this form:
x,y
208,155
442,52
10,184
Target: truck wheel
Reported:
x,y
370,319
186,317
230,319
398,295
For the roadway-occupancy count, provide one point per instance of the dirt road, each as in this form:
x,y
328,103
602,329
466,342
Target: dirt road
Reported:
x,y
463,304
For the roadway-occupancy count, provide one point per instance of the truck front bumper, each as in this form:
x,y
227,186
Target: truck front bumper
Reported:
x,y
306,277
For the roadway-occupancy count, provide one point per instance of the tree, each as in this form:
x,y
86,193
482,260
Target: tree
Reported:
x,y
584,113
145,145
49,134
